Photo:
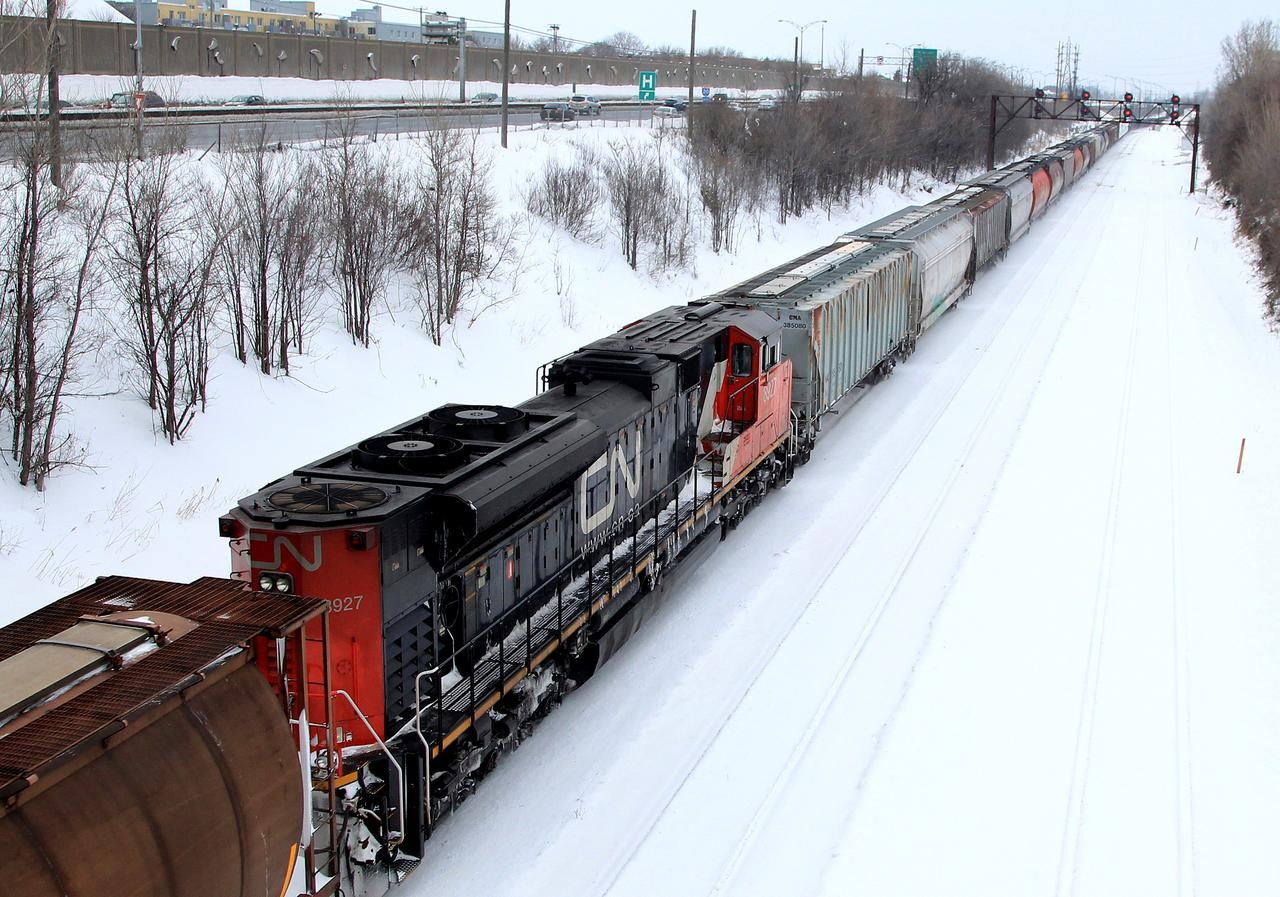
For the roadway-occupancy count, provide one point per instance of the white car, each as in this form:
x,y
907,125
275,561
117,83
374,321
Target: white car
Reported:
x,y
767,103
665,111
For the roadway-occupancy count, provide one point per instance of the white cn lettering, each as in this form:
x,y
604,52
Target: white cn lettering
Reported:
x,y
283,544
588,522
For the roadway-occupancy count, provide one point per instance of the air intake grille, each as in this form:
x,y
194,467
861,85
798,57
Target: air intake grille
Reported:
x,y
327,498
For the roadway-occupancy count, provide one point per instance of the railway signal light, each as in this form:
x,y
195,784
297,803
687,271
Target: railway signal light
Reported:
x,y
1173,116
1085,95
1039,93
1176,99
1128,97
1128,113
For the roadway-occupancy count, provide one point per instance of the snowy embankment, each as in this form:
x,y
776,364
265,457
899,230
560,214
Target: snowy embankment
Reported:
x,y
1010,632
142,507
195,89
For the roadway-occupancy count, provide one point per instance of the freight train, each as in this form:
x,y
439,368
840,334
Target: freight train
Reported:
x,y
467,568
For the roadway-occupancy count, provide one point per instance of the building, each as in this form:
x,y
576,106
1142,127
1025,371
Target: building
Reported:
x,y
369,23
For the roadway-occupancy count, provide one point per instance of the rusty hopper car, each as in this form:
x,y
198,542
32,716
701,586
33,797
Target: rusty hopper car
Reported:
x,y
1017,187
141,751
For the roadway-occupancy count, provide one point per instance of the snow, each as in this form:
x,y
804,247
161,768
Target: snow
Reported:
x,y
144,508
93,11
209,89
1009,632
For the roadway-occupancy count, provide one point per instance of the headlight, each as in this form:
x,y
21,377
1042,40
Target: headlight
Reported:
x,y
266,582
284,583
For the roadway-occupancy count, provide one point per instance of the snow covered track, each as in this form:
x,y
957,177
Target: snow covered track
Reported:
x,y
1009,632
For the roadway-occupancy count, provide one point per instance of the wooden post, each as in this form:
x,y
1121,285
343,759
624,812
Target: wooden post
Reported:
x,y
1240,459
991,136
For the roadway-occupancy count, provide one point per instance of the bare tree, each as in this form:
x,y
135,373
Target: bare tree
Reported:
x,y
267,278
1242,142
163,251
451,235
724,182
361,191
628,177
50,261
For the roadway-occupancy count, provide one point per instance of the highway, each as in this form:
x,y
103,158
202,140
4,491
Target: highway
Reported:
x,y
87,132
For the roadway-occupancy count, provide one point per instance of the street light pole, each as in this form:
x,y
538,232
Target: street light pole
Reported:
x,y
141,104
802,29
506,67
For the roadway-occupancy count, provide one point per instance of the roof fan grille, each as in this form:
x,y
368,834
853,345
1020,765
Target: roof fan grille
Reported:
x,y
486,423
411,453
327,498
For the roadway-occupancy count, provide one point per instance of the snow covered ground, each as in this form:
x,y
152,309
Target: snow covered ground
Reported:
x,y
1011,631
87,89
144,508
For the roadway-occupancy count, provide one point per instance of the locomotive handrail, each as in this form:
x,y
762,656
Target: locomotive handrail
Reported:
x,y
399,834
650,511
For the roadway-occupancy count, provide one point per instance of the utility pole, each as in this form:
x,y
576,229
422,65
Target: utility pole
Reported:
x,y
822,46
555,38
861,55
462,60
141,104
506,67
797,70
55,131
693,45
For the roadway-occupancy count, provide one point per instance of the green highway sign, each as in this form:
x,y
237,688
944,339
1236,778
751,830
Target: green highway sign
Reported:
x,y
922,59
648,85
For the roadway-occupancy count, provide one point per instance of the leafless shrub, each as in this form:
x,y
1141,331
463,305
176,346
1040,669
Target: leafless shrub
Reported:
x,y
360,202
451,236
164,249
726,188
268,274
567,193
49,264
628,176
1242,141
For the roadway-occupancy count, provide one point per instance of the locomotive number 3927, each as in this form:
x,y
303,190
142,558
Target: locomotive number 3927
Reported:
x,y
351,602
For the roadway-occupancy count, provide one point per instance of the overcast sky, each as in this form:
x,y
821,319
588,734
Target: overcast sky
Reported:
x,y
1173,46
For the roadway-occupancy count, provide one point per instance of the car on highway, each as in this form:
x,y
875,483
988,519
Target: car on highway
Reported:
x,y
124,100
247,99
665,111
582,104
557,112
483,99
677,103
767,103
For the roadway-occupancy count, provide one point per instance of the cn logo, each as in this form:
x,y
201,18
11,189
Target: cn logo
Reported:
x,y
280,546
630,479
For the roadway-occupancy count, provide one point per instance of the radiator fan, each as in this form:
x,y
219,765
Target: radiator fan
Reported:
x,y
411,453
485,423
327,498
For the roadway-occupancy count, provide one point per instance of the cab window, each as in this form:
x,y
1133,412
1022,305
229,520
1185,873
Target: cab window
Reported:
x,y
743,356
